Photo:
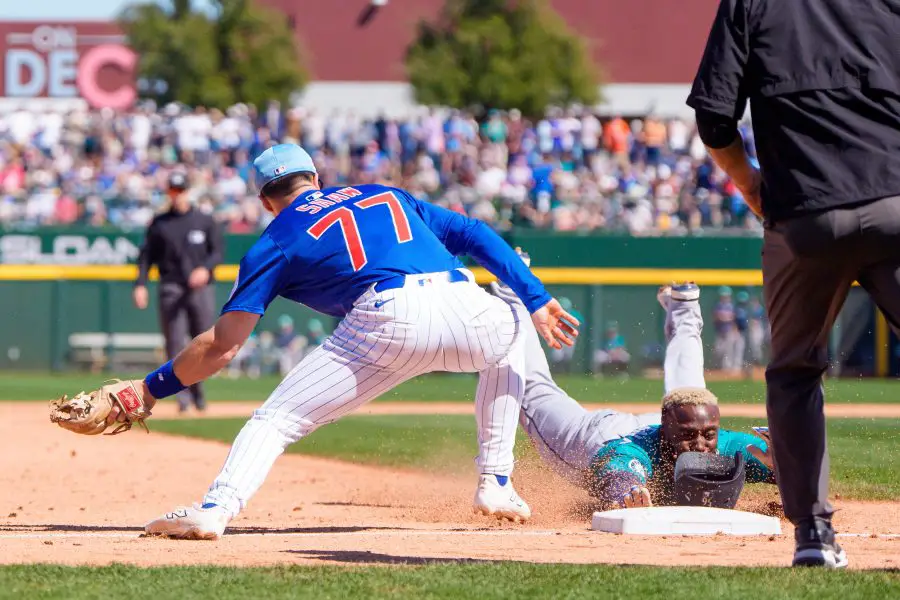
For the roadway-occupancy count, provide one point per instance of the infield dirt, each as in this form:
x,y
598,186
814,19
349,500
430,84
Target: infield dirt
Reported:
x,y
83,500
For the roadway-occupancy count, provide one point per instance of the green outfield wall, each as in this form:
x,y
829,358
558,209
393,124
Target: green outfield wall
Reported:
x,y
113,247
40,315
54,283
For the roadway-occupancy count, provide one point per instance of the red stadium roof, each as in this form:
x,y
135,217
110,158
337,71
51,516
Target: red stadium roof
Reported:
x,y
636,41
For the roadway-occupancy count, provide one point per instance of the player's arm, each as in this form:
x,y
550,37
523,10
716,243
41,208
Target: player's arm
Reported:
x,y
261,277
620,472
215,245
147,256
464,236
212,350
760,466
718,96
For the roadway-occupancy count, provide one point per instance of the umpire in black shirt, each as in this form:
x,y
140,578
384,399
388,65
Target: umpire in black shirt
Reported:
x,y
186,245
823,81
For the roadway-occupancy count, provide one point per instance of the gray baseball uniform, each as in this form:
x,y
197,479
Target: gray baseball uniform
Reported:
x,y
566,435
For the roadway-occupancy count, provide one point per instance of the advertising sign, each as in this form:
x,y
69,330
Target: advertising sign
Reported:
x,y
66,61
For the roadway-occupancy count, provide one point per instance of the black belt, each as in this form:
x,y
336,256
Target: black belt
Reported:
x,y
398,281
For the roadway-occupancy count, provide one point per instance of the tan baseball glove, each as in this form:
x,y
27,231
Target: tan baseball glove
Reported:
x,y
86,413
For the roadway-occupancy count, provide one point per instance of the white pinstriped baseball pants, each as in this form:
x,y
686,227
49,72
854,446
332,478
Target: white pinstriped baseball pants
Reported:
x,y
430,324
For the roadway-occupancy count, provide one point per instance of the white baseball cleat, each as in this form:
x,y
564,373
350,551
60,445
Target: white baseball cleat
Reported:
x,y
194,523
501,501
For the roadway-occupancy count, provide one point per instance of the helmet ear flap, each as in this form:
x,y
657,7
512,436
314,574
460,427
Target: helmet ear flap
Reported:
x,y
703,479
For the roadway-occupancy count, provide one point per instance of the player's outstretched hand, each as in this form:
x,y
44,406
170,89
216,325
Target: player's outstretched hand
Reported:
x,y
555,325
637,497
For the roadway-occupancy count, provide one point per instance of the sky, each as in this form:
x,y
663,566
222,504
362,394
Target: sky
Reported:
x,y
61,10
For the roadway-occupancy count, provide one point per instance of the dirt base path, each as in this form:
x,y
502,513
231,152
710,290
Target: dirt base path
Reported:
x,y
222,410
78,500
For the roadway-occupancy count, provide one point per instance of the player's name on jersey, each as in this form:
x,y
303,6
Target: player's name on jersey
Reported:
x,y
317,201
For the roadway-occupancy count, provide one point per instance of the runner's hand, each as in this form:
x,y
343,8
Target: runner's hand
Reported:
x,y
639,496
555,325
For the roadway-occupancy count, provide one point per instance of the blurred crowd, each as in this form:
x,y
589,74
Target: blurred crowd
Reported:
x,y
569,170
275,352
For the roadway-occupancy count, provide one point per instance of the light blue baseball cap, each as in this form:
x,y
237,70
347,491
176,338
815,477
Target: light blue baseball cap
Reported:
x,y
281,160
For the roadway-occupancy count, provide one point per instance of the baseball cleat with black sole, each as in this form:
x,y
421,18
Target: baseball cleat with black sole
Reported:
x,y
816,546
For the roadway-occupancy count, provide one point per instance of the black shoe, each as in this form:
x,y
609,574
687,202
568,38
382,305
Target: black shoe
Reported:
x,y
816,546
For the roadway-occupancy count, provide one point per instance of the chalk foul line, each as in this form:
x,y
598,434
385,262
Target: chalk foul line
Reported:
x,y
49,535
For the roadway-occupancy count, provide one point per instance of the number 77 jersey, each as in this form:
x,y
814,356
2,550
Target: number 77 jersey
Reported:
x,y
331,245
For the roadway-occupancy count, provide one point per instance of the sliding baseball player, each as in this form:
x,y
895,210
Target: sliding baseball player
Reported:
x,y
628,460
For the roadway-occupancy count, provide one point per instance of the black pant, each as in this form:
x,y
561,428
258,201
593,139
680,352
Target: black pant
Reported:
x,y
184,314
809,264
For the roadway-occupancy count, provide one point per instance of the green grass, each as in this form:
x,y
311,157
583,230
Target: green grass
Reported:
x,y
482,580
458,388
865,453
442,442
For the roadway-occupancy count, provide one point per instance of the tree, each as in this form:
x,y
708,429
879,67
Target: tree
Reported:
x,y
240,52
500,54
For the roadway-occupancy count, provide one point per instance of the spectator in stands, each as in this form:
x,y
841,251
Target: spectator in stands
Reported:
x,y
290,345
729,347
246,361
569,170
612,356
757,331
315,333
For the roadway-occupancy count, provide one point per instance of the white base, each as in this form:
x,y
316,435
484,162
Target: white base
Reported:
x,y
684,520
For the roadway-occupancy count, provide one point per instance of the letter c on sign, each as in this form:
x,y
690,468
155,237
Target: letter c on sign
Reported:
x,y
89,68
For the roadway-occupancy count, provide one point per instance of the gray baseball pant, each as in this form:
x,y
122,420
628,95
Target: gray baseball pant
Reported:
x,y
565,434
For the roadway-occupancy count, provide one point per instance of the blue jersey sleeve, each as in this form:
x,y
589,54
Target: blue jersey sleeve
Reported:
x,y
733,442
462,235
618,466
623,455
261,277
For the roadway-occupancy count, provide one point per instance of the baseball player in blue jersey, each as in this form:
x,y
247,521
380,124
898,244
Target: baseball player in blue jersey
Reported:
x,y
620,457
386,264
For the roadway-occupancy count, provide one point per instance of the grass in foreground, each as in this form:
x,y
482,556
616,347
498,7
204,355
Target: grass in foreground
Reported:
x,y
456,388
440,580
865,453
